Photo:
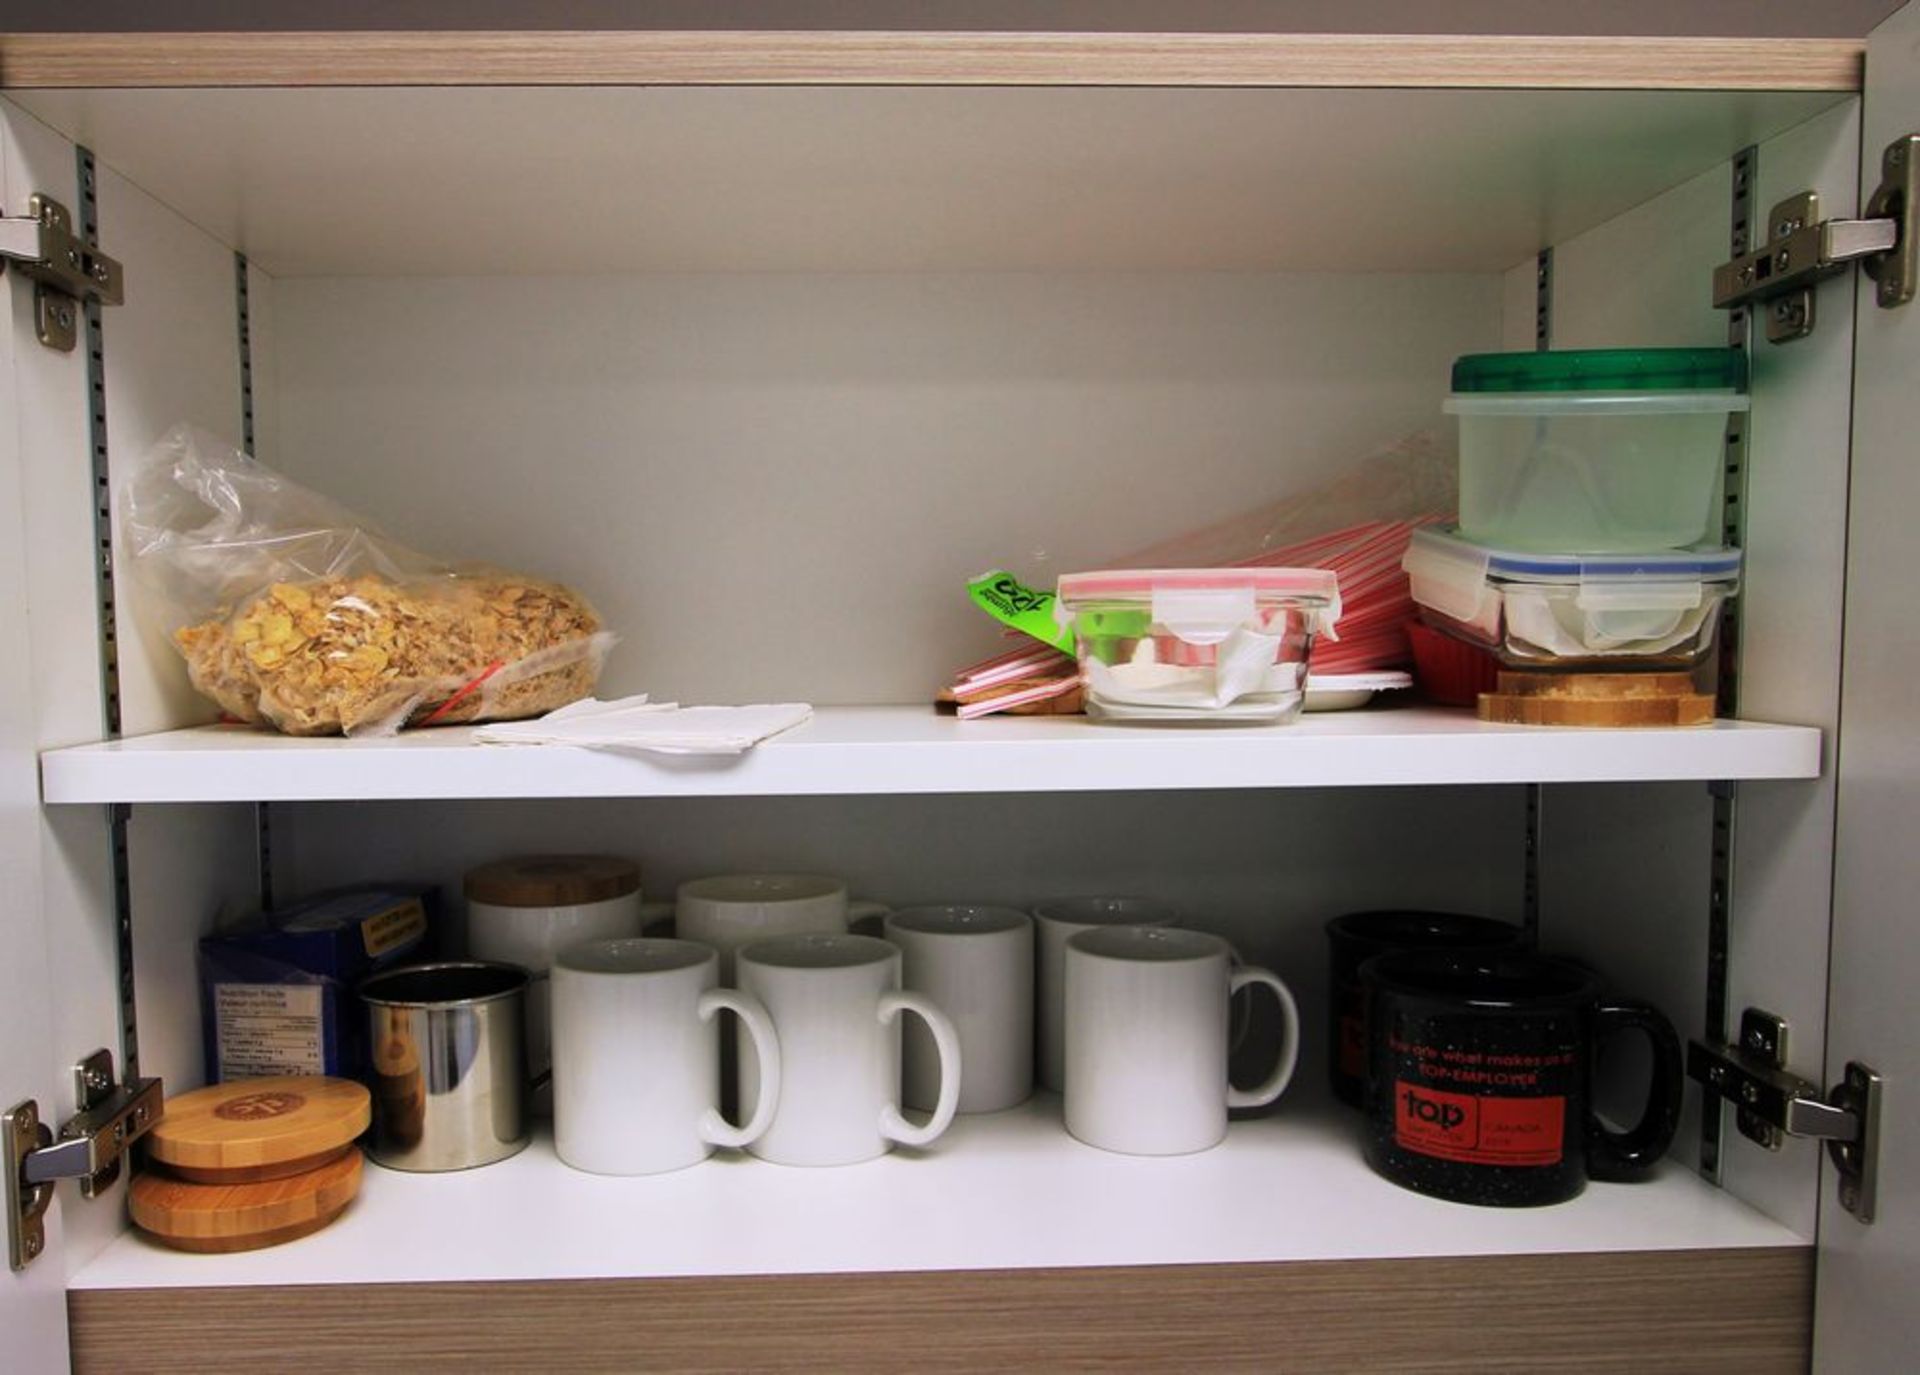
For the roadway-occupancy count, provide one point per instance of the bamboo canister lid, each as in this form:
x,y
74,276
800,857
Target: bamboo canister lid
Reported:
x,y
553,881
1596,699
258,1128
243,1217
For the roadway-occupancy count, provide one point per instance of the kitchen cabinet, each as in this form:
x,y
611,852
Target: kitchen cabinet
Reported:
x,y
767,341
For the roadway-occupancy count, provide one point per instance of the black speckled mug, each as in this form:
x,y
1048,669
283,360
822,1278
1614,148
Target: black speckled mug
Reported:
x,y
1357,937
1481,1074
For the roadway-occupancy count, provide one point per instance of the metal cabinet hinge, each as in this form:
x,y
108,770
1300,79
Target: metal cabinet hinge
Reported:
x,y
1802,249
1774,1103
66,272
90,1147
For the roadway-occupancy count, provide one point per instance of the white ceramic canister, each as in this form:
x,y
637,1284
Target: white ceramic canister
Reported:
x,y
525,911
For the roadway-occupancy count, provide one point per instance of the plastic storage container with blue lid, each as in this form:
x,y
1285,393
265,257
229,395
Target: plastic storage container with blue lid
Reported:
x,y
1593,450
1617,611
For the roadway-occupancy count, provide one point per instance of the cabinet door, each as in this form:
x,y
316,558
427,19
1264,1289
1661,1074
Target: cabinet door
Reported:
x,y
1866,1317
33,1314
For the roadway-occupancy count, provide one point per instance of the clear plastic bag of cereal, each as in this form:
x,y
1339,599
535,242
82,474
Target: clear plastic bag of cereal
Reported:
x,y
295,613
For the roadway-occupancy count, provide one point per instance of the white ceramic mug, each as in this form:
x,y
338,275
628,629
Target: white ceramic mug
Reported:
x,y
1147,1039
1054,924
636,1080
733,910
976,964
867,918
836,1004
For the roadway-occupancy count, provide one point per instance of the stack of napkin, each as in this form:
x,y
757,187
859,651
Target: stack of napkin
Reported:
x,y
634,724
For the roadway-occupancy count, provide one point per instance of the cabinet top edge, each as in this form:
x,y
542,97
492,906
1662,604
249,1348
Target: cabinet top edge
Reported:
x,y
684,57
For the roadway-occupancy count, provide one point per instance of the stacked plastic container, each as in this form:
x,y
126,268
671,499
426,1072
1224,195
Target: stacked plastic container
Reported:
x,y
1589,482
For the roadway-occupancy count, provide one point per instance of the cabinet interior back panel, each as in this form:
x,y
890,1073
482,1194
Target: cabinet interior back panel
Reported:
x,y
775,487
1266,870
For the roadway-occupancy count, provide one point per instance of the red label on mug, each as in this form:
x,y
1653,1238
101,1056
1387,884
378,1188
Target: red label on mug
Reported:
x,y
1353,1047
1478,1131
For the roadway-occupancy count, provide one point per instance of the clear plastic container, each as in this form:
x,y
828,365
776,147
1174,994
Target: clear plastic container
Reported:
x,y
1197,644
1596,450
1612,611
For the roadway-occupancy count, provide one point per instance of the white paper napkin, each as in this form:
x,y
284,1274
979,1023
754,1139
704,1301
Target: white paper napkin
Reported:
x,y
635,724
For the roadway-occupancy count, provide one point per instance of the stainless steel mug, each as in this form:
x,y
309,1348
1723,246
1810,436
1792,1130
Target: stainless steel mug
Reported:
x,y
449,1064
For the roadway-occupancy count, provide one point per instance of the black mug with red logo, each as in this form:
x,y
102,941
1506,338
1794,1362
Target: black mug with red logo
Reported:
x,y
1357,937
1480,1088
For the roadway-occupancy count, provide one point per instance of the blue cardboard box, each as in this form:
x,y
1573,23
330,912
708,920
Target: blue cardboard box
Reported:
x,y
276,991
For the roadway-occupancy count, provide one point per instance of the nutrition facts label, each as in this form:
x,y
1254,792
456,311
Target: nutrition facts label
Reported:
x,y
267,1029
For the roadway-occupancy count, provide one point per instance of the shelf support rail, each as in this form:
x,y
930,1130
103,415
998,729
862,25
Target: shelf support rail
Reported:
x,y
1726,794
1535,792
119,814
243,313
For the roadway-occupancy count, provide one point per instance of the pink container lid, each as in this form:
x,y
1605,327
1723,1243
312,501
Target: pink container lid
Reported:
x,y
1306,584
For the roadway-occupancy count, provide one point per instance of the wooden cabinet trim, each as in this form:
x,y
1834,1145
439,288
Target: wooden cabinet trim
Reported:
x,y
1749,1311
40,60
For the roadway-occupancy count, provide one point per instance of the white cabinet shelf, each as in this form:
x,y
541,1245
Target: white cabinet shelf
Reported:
x,y
895,750
1006,1191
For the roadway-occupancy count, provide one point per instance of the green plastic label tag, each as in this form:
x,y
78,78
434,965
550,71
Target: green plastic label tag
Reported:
x,y
1008,600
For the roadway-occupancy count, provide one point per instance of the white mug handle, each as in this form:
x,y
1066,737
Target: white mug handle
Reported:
x,y
865,918
1276,1082
1242,1022
945,1040
714,1129
656,918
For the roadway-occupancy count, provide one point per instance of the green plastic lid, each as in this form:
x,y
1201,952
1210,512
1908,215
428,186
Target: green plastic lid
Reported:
x,y
1603,370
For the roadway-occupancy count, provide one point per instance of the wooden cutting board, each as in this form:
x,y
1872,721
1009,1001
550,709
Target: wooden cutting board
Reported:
x,y
259,1129
243,1217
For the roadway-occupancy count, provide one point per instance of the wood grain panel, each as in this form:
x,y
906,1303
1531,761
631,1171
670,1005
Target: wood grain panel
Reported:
x,y
829,58
1748,1311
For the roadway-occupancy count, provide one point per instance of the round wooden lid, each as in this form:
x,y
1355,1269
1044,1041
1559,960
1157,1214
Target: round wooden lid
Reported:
x,y
553,880
241,1217
251,1123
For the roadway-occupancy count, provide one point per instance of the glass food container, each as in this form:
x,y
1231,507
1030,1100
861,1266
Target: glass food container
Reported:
x,y
1565,611
1197,644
